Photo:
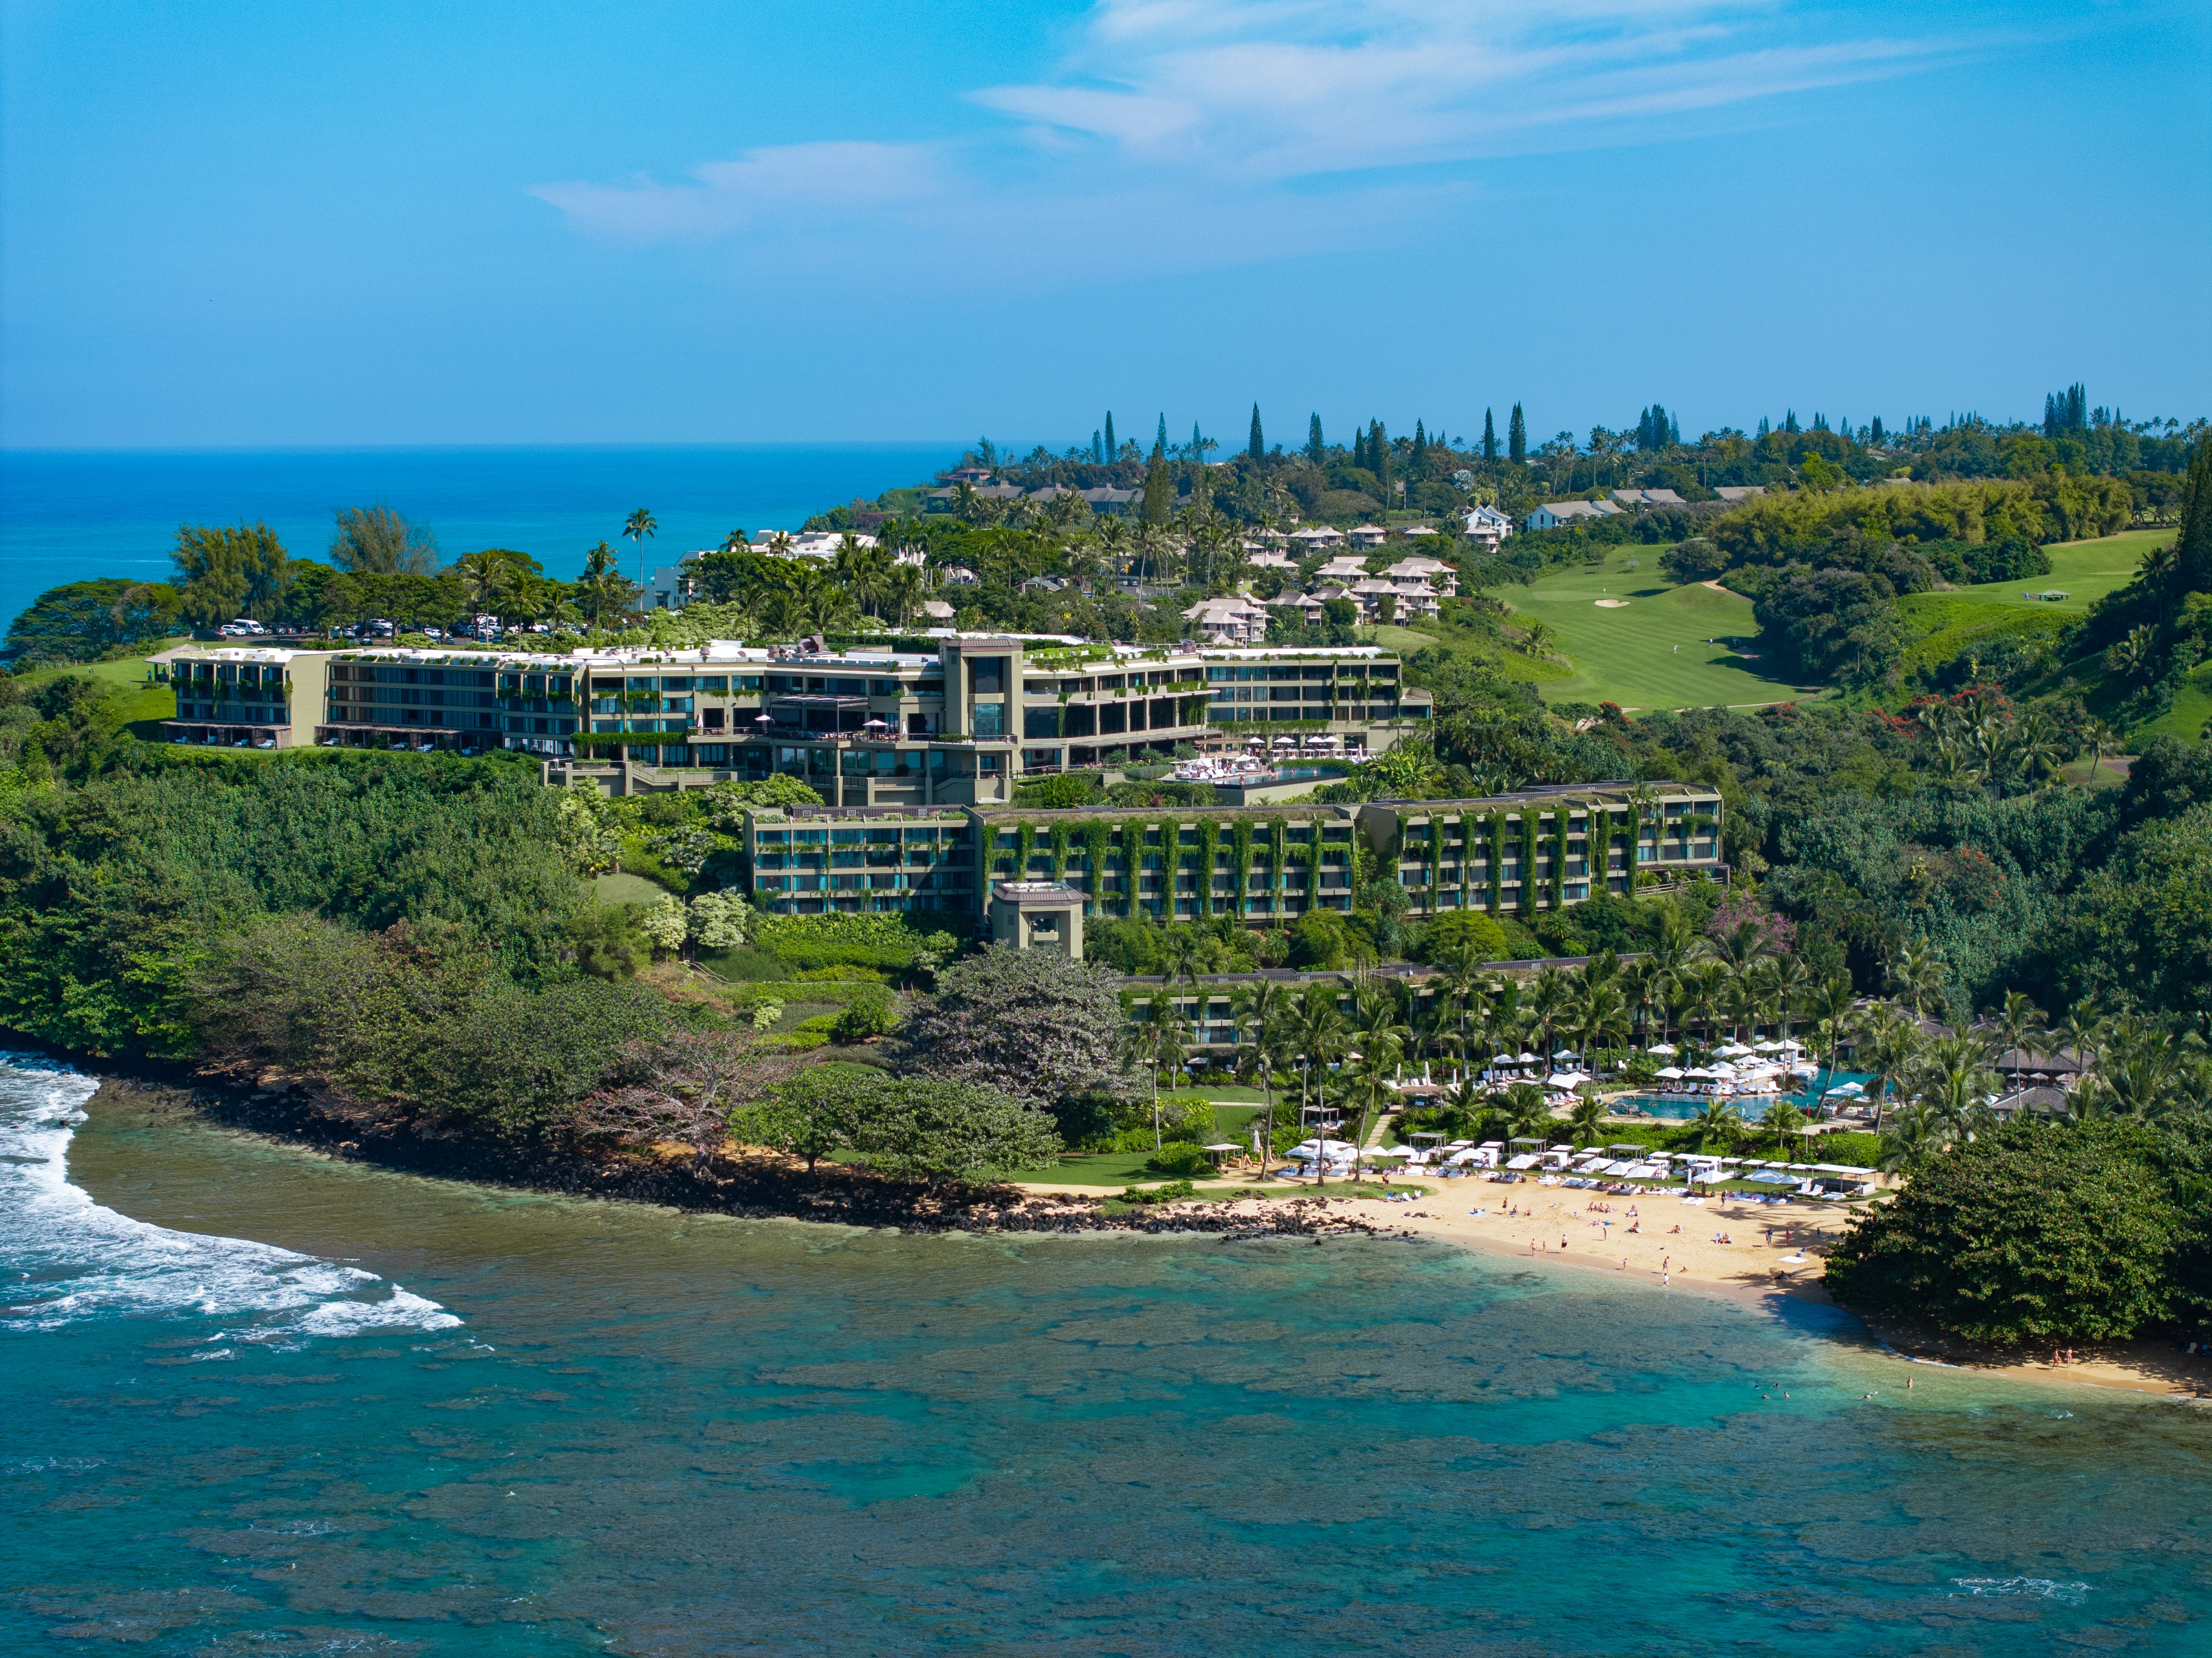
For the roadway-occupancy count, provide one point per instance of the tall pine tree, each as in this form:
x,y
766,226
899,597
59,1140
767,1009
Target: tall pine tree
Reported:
x,y
1317,450
1517,438
1098,447
1197,446
1257,448
1113,453
1161,441
1489,437
1417,466
1378,448
1159,486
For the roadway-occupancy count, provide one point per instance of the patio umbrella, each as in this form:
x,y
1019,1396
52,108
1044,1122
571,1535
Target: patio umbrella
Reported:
x,y
1283,742
1670,1071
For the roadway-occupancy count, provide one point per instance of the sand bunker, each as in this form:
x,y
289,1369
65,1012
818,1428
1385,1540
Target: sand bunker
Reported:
x,y
1612,604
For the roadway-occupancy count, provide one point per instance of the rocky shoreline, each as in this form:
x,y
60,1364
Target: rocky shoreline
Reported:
x,y
767,1187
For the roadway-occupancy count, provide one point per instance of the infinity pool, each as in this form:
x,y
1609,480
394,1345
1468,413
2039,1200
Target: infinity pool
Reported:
x,y
1680,1107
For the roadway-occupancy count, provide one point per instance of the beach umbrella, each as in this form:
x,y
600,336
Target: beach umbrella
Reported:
x,y
1670,1071
1665,1050
1283,742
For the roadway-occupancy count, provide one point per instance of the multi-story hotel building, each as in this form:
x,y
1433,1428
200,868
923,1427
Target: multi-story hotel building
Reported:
x,y
1512,853
890,727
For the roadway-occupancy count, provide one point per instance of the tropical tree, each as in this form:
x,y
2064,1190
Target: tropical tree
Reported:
x,y
640,526
1782,1120
1918,1135
1264,1014
1587,1120
1952,1077
1524,1110
2019,1025
1316,1035
1918,971
1886,1042
1718,1123
1373,1067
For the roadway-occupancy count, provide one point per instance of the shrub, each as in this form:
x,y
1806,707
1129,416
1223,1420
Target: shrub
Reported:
x,y
1186,1160
879,941
1173,1192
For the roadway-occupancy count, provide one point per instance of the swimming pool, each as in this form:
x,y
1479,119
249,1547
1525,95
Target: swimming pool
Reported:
x,y
1752,1108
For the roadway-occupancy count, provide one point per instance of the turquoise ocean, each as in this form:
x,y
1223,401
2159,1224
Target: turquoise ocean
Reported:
x,y
70,515
263,1403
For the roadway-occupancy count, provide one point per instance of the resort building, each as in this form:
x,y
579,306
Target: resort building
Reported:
x,y
1538,849
901,726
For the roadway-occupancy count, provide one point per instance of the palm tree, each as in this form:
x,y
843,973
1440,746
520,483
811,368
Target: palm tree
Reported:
x,y
1828,1007
1548,1000
1918,970
1316,1036
638,527
1263,1009
2036,749
1373,1068
2019,1024
1161,1040
1525,1111
1917,1135
1886,1041
1782,1119
1718,1121
1587,1120
1952,1077
1790,981
2101,740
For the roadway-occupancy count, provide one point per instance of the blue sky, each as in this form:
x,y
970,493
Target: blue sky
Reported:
x,y
402,224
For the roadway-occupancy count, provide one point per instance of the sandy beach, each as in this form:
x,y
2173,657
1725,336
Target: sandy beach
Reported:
x,y
1712,1245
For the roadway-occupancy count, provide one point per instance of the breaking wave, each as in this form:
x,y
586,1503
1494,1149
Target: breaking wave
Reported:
x,y
68,1260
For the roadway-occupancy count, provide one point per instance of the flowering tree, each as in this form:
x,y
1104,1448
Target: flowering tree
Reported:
x,y
1779,931
684,1087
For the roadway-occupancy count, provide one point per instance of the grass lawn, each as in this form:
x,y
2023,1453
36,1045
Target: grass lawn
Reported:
x,y
628,889
2187,718
2085,571
1654,651
143,703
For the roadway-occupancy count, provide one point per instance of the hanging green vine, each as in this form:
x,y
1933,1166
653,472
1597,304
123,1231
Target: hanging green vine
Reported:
x,y
1279,857
1559,859
1209,842
1527,861
1240,843
1060,843
1436,861
1466,862
1313,865
1496,861
1095,835
1024,840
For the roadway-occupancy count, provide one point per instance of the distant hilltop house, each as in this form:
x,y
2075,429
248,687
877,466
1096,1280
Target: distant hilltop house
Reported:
x,y
1488,525
1345,566
958,575
940,500
1649,498
1553,514
1409,573
937,610
1227,621
1261,557
1106,499
1315,537
1734,493
1367,535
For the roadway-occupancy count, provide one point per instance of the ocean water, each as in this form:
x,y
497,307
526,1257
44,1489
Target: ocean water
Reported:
x,y
70,515
266,1403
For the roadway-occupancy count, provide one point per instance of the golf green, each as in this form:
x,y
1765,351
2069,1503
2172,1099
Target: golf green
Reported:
x,y
1640,642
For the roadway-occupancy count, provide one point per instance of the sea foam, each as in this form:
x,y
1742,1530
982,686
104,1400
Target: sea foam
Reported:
x,y
68,1258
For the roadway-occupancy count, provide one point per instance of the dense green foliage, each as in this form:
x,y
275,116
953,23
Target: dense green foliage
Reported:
x,y
90,621
114,894
2031,1234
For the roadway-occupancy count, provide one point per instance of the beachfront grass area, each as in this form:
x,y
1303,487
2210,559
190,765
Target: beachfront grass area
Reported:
x,y
144,704
1639,640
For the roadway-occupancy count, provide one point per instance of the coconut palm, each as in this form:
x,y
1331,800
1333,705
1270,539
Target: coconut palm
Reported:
x,y
1263,1015
1549,999
1587,1120
1373,1068
1524,1110
2100,739
2019,1025
1886,1041
1917,970
1918,1135
1316,1036
639,527
1790,981
1952,1077
1162,1040
1827,1007
1782,1120
1717,1123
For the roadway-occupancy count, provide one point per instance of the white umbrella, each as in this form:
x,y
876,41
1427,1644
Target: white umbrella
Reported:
x,y
1565,1053
1563,1080
1389,1151
1283,742
1524,1058
1670,1071
1665,1049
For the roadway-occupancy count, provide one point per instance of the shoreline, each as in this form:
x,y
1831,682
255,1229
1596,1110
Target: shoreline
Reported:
x,y
774,1188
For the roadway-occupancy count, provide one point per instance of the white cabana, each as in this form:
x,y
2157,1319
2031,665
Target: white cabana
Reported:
x,y
1380,1151
1334,1151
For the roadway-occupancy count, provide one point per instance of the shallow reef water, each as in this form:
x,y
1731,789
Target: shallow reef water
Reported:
x,y
263,1403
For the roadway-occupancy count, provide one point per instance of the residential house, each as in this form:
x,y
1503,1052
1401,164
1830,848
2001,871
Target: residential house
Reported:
x,y
958,575
1315,537
1367,535
1227,621
1345,566
1488,526
1106,499
936,610
1736,494
1553,514
1647,498
1420,572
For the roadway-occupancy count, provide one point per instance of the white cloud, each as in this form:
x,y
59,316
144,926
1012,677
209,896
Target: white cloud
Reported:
x,y
818,185
1238,129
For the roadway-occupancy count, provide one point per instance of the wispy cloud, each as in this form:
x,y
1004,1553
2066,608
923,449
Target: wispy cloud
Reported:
x,y
1214,121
